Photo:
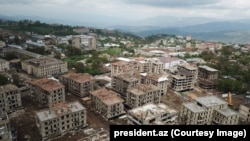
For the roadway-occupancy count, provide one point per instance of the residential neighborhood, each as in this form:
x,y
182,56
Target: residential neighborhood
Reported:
x,y
74,85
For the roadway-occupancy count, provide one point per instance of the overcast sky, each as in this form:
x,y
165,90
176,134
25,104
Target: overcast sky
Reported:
x,y
124,11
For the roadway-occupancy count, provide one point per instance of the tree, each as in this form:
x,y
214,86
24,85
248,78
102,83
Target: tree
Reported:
x,y
10,56
17,40
3,80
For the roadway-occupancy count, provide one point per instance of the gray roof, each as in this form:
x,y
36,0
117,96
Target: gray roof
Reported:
x,y
227,112
59,110
208,68
194,107
210,101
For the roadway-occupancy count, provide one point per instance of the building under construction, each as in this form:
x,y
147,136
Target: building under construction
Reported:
x,y
107,103
244,111
143,94
159,80
5,131
122,82
152,65
208,110
44,66
207,77
184,79
61,118
47,92
78,83
120,67
4,65
152,114
10,98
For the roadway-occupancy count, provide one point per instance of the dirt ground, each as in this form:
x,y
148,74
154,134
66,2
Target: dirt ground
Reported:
x,y
25,125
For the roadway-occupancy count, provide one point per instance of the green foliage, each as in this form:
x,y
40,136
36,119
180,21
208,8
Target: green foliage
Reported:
x,y
37,27
3,80
237,68
114,51
207,56
38,50
72,51
230,85
93,64
10,56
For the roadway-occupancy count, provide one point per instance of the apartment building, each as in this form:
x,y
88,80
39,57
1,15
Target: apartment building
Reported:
x,y
208,110
107,103
184,78
44,66
4,65
152,65
207,77
5,131
76,42
47,92
143,94
152,114
78,83
244,111
10,98
84,42
159,80
60,119
120,67
122,82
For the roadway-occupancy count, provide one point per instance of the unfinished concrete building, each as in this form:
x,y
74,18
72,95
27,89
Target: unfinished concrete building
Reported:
x,y
244,111
4,65
184,79
47,92
44,66
152,65
10,98
119,67
78,83
152,114
60,119
143,94
208,110
5,131
159,80
207,77
122,82
107,103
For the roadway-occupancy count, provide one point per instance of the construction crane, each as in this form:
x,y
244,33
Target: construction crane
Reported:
x,y
230,101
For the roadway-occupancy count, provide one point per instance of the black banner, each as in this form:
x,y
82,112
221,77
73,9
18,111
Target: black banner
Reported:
x,y
180,132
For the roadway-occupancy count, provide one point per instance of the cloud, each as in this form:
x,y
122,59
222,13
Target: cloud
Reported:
x,y
172,3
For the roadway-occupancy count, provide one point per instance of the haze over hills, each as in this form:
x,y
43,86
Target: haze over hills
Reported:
x,y
201,28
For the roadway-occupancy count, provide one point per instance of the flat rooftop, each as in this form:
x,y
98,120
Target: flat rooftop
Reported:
x,y
43,61
142,89
227,112
59,109
188,66
47,84
178,77
150,111
194,107
127,77
120,63
108,97
78,77
156,77
208,68
8,88
210,101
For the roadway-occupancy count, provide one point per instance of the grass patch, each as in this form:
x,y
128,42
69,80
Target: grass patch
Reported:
x,y
114,51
